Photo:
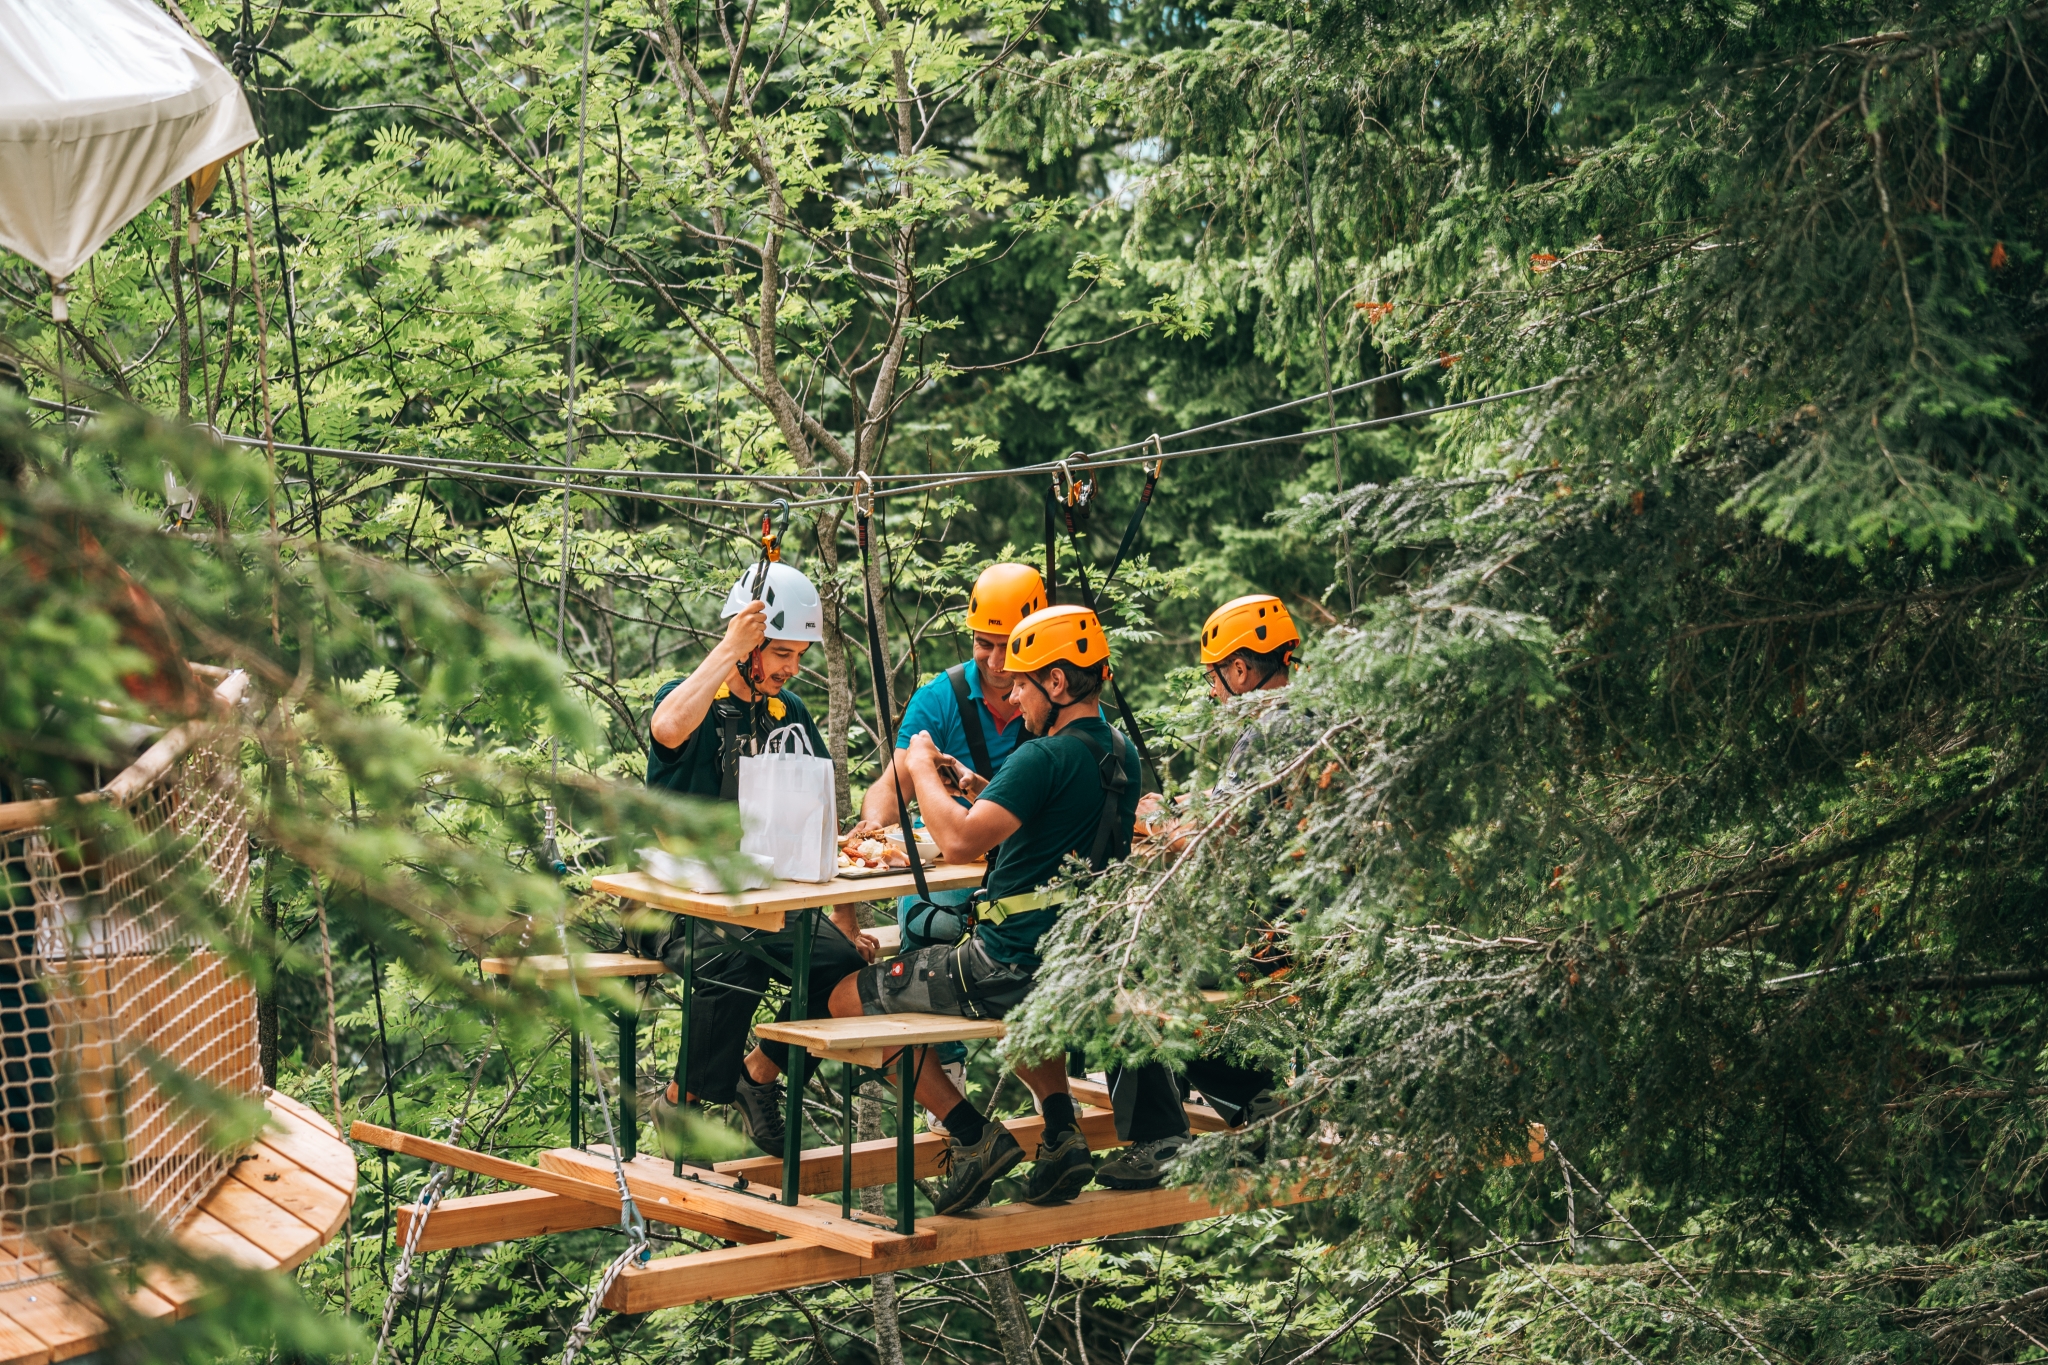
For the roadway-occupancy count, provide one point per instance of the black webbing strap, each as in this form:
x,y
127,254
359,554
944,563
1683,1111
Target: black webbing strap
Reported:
x,y
970,722
1137,518
1123,708
878,665
1052,537
729,757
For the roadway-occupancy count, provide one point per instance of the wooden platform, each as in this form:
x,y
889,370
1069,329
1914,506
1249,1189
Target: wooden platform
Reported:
x,y
284,1199
872,1040
739,1272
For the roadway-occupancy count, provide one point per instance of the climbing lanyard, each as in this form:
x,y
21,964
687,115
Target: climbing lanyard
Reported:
x,y
878,667
729,726
1074,500
1152,472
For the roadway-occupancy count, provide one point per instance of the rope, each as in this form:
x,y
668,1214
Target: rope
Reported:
x,y
429,1197
575,321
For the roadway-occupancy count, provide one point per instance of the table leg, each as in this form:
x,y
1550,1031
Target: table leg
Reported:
x,y
799,1008
683,1049
906,1145
846,1140
575,1088
629,1082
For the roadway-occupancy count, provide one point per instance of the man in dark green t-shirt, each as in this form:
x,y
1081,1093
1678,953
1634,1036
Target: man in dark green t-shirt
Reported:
x,y
1072,790
702,726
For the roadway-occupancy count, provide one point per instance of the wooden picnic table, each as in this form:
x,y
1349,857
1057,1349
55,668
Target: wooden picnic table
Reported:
x,y
765,910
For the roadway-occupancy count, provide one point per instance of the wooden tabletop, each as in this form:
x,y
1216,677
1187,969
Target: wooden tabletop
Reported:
x,y
779,898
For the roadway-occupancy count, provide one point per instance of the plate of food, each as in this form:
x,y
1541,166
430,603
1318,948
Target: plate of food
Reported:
x,y
865,855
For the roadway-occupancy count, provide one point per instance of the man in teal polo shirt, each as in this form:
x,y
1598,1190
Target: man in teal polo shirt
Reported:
x,y
967,712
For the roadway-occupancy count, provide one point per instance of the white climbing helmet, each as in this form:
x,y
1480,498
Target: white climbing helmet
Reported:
x,y
794,611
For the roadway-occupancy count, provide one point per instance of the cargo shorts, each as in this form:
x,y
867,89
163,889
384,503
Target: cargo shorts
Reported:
x,y
946,978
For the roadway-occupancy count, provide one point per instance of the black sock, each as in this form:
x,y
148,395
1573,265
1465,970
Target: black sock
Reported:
x,y
1060,1118
966,1124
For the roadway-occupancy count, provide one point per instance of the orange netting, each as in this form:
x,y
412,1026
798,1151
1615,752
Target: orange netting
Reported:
x,y
108,984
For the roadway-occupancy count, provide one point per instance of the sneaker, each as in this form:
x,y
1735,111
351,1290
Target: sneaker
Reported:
x,y
1140,1166
971,1171
1263,1105
760,1109
956,1072
670,1132
1060,1171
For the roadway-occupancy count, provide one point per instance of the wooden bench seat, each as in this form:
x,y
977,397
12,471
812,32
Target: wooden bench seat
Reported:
x,y
552,969
871,1040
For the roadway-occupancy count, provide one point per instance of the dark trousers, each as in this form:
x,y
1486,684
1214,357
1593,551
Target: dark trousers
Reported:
x,y
1147,1099
729,986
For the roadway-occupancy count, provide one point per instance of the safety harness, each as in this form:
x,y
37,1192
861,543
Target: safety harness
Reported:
x,y
970,720
1109,771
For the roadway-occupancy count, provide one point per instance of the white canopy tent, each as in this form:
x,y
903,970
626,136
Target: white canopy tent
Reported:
x,y
104,105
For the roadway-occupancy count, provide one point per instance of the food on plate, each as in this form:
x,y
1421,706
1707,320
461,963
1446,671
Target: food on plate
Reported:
x,y
864,850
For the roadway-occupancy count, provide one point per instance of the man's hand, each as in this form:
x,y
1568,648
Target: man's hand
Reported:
x,y
745,632
923,753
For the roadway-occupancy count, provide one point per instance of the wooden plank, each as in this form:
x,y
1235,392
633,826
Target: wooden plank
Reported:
x,y
63,1325
207,1235
737,1272
888,939
19,1346
291,1186
551,969
659,1191
312,1149
879,1031
282,1235
1201,1118
874,1163
183,1292
277,1100
783,897
604,1195
475,1220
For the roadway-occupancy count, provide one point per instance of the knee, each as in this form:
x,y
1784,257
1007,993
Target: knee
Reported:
x,y
845,1002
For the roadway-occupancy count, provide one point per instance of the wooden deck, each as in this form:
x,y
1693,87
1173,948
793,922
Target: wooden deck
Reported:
x,y
283,1200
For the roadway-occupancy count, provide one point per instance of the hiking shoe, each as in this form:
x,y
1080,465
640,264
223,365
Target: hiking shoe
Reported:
x,y
666,1115
1140,1166
760,1109
1263,1105
972,1170
1061,1170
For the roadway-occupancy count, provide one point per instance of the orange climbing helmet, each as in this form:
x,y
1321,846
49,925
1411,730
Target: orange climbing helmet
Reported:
x,y
1069,634
1258,623
1004,595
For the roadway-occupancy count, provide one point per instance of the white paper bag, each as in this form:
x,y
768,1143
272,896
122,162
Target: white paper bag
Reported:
x,y
786,808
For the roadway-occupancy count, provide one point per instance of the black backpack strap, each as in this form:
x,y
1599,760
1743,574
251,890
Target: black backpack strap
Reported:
x,y
729,757
1109,771
970,721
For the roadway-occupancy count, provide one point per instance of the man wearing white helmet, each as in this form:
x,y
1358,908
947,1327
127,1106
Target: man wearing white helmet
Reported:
x,y
702,726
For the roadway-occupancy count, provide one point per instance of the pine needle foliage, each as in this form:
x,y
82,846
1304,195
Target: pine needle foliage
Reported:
x,y
1676,796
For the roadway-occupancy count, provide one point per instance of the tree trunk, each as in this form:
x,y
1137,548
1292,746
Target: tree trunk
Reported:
x,y
888,1338
1013,1325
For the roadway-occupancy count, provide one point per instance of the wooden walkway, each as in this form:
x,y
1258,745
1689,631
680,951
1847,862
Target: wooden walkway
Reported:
x,y
286,1196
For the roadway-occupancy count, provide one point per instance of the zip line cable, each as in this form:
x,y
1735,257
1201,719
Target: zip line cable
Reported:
x,y
1089,461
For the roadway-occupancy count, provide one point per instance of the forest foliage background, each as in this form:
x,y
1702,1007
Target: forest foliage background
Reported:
x,y
1669,762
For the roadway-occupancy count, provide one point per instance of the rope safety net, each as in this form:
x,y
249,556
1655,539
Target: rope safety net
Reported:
x,y
103,977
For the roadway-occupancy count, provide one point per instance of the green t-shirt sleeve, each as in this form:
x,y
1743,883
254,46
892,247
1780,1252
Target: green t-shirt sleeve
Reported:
x,y
1021,785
